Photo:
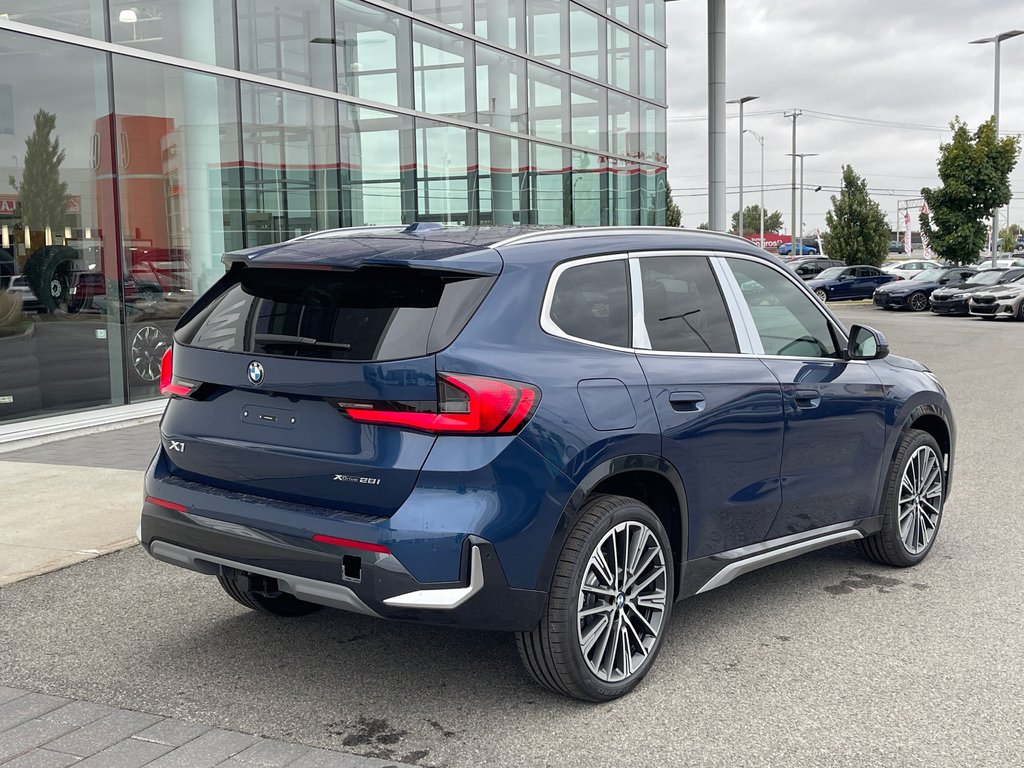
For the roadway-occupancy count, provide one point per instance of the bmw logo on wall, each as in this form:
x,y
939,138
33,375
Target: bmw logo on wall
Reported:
x,y
255,373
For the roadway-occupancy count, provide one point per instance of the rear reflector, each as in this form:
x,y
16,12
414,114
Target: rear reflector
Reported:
x,y
169,385
166,504
351,543
467,405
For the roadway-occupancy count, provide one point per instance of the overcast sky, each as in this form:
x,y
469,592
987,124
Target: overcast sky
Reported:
x,y
903,62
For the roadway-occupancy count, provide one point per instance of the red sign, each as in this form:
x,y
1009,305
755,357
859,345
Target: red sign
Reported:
x,y
771,240
9,204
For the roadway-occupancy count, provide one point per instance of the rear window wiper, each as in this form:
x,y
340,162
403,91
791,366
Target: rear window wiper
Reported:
x,y
282,340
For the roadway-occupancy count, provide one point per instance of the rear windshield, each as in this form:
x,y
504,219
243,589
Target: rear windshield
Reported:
x,y
371,313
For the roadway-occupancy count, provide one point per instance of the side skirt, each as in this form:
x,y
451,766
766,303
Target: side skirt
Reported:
x,y
707,573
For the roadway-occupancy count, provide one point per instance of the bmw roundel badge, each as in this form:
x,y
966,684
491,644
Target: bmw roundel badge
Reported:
x,y
255,373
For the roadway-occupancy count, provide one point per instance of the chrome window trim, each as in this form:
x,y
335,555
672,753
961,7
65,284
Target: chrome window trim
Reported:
x,y
549,326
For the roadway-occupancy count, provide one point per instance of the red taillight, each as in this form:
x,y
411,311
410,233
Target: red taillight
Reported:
x,y
468,405
166,504
168,384
351,543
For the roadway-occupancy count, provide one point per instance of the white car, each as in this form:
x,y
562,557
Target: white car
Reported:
x,y
907,269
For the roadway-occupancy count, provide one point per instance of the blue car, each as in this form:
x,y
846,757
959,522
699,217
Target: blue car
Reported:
x,y
857,282
557,434
806,248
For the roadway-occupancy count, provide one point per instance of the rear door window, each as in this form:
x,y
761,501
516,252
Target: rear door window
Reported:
x,y
371,313
683,306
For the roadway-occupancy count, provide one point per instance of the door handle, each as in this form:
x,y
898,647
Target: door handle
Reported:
x,y
687,401
807,398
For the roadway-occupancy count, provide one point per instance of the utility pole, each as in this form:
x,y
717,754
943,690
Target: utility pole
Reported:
x,y
717,218
802,155
792,231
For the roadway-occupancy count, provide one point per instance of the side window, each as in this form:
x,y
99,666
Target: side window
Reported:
x,y
591,302
683,306
787,320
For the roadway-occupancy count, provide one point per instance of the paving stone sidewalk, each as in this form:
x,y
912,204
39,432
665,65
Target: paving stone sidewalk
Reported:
x,y
38,731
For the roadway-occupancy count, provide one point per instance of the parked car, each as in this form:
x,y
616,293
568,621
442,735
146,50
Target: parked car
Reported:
x,y
913,293
907,269
806,268
1002,300
897,246
953,301
807,248
552,433
857,282
1002,263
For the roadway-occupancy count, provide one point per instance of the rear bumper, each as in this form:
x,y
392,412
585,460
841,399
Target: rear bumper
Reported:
x,y
346,577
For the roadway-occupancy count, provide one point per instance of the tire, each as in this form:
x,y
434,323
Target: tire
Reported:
x,y
918,466
918,302
821,294
146,347
553,653
239,587
50,273
1020,312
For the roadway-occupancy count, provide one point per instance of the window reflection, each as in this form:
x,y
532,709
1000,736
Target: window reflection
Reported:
x,y
589,193
442,173
551,183
586,37
60,300
500,89
287,41
546,23
372,49
502,22
443,80
549,99
504,184
201,30
623,119
454,13
622,56
588,110
378,172
74,17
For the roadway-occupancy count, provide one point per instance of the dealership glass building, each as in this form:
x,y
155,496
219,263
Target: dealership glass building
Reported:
x,y
141,140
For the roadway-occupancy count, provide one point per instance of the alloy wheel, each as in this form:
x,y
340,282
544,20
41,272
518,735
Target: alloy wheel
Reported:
x,y
920,500
148,346
621,606
821,294
919,302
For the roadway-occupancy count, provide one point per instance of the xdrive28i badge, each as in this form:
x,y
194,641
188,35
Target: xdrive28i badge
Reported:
x,y
255,373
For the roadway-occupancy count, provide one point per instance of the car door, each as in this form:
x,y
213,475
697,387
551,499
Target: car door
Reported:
x,y
835,420
721,412
868,279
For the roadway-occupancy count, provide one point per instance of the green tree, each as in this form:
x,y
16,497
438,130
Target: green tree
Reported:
x,y
975,172
1008,237
704,225
752,221
857,230
43,196
673,216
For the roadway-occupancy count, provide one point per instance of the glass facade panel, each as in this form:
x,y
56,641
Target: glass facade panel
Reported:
x,y
500,89
546,22
652,70
454,13
586,42
504,183
622,58
378,177
161,169
73,17
442,174
552,184
502,22
442,72
61,346
290,173
588,111
549,102
179,193
200,30
373,51
287,41
623,125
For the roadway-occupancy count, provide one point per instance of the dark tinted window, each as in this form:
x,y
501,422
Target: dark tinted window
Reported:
x,y
683,306
591,302
367,314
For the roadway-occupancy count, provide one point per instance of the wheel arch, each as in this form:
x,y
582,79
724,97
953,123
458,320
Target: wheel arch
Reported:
x,y
930,418
649,479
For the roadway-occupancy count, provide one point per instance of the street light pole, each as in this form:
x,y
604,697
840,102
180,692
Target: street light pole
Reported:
x,y
760,140
802,155
741,101
997,39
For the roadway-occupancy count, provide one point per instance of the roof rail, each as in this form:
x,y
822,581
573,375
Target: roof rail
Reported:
x,y
567,232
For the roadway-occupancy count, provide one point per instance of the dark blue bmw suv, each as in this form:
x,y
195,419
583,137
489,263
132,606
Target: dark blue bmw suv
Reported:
x,y
554,433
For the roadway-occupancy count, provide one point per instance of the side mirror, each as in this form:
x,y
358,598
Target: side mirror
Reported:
x,y
866,344
841,277
943,281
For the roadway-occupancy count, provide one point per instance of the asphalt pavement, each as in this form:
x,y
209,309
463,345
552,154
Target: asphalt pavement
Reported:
x,y
827,660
